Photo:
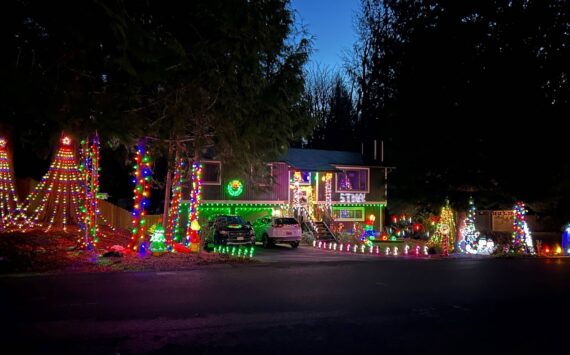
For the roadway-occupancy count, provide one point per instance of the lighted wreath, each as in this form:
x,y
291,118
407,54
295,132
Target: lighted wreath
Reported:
x,y
234,188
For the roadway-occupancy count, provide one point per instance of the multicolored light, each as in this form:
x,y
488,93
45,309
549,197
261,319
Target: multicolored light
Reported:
x,y
89,170
444,237
328,191
55,200
11,215
192,236
521,236
142,179
469,231
172,228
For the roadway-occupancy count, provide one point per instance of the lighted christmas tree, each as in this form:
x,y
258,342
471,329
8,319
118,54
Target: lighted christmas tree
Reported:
x,y
444,236
55,200
522,238
11,215
369,234
141,199
158,240
470,233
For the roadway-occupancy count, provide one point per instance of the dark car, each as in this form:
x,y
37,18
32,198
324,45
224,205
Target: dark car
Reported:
x,y
232,230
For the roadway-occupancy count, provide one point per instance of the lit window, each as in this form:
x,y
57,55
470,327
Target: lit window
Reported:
x,y
352,180
348,214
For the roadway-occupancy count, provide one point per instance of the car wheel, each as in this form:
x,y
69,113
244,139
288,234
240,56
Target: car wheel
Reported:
x,y
294,244
266,241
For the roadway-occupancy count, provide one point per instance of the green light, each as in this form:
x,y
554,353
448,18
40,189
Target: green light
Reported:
x,y
234,188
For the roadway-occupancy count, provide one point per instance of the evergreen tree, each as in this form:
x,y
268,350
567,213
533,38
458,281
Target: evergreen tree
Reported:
x,y
522,238
470,232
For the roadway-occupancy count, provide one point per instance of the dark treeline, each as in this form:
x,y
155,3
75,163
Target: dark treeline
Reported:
x,y
191,77
470,98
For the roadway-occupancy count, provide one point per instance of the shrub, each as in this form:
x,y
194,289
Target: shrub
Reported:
x,y
307,238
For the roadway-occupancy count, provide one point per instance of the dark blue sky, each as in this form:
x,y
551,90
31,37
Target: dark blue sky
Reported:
x,y
330,22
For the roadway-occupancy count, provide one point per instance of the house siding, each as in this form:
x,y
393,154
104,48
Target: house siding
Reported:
x,y
275,192
376,187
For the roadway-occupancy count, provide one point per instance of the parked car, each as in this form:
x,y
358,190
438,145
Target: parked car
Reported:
x,y
232,230
272,230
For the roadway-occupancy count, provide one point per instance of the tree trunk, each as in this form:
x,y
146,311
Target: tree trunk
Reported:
x,y
168,186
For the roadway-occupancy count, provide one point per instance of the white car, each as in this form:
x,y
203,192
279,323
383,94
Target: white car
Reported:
x,y
272,230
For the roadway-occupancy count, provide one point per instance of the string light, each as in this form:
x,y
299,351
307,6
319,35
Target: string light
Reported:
x,y
469,231
445,230
192,236
522,238
172,227
234,188
58,192
11,214
328,191
89,171
141,180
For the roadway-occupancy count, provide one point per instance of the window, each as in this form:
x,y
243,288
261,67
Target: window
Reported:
x,y
352,180
211,174
286,221
303,177
348,214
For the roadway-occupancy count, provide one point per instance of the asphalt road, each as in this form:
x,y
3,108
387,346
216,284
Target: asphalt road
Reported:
x,y
358,305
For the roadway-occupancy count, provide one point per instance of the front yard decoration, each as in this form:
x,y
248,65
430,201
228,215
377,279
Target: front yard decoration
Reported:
x,y
89,172
157,240
141,180
403,226
55,200
471,235
239,251
297,178
192,236
370,250
444,237
566,240
485,246
11,215
328,191
369,234
234,188
172,228
522,238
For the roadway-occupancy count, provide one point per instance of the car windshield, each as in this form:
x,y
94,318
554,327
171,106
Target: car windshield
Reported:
x,y
234,220
286,221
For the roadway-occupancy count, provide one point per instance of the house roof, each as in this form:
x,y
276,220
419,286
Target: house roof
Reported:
x,y
320,160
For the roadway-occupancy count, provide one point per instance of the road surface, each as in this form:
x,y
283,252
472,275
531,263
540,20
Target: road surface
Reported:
x,y
352,305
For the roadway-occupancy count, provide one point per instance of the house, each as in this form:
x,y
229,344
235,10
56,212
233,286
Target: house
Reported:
x,y
336,187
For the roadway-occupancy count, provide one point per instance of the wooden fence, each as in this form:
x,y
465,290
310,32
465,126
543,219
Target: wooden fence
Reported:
x,y
121,218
